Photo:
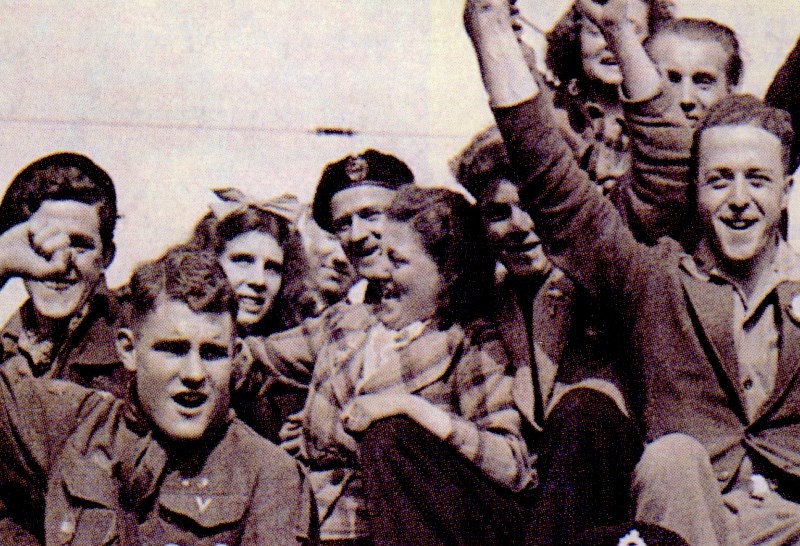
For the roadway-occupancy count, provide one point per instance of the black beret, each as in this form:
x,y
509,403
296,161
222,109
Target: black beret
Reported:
x,y
369,168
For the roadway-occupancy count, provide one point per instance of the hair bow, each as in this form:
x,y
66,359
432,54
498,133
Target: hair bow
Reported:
x,y
234,200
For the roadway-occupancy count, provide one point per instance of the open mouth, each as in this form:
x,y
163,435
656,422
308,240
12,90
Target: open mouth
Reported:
x,y
250,303
190,399
608,60
59,285
524,247
739,224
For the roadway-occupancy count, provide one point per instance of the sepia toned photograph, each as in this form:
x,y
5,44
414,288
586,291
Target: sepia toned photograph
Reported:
x,y
400,272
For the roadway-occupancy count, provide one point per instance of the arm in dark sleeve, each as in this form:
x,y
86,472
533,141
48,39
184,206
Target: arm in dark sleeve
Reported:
x,y
782,93
582,232
656,199
36,418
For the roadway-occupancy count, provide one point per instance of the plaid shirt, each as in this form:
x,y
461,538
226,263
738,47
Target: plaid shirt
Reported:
x,y
467,376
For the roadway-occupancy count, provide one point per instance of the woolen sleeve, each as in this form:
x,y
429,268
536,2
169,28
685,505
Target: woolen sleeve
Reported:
x,y
488,429
582,232
657,199
782,93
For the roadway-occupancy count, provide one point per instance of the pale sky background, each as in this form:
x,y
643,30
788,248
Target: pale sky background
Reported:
x,y
175,97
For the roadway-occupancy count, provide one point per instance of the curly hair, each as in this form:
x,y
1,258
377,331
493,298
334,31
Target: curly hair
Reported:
x,y
483,161
211,234
563,56
450,230
184,274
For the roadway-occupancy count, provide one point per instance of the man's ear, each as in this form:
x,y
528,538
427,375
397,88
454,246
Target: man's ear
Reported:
x,y
787,192
109,251
126,348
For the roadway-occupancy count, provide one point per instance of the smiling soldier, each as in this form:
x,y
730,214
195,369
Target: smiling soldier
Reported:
x,y
715,333
155,468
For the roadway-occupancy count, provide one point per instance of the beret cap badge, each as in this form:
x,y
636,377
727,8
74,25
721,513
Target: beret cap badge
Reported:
x,y
356,168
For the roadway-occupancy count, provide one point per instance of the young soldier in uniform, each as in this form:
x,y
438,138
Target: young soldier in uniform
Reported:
x,y
64,205
56,233
158,467
716,332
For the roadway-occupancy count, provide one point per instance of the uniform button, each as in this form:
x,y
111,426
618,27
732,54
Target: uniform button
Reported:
x,y
747,384
203,483
185,483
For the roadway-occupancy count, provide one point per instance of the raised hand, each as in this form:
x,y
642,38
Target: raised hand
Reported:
x,y
606,14
34,249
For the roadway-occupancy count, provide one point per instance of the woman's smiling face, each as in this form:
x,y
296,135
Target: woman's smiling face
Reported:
x,y
253,263
412,292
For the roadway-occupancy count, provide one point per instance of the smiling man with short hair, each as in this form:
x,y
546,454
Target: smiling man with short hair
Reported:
x,y
715,333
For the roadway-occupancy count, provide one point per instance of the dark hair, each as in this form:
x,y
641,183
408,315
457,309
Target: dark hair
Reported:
x,y
59,177
706,30
452,235
187,275
563,55
483,161
211,234
731,111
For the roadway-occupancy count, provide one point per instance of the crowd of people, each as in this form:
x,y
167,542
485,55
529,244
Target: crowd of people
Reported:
x,y
600,347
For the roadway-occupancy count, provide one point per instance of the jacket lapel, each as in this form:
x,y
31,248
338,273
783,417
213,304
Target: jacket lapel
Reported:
x,y
789,354
552,314
713,309
511,323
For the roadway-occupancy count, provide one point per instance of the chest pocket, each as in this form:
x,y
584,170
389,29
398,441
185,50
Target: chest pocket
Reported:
x,y
91,494
199,519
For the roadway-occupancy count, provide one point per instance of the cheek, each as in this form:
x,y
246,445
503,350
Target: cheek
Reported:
x,y
273,282
90,264
233,272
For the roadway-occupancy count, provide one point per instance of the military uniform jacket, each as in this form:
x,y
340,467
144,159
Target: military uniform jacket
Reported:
x,y
88,356
678,318
107,480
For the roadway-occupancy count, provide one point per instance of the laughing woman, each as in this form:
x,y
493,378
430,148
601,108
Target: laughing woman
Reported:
x,y
411,428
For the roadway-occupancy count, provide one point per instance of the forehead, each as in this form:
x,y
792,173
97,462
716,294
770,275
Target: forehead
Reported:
x,y
500,191
173,319
81,217
352,200
739,147
692,53
257,243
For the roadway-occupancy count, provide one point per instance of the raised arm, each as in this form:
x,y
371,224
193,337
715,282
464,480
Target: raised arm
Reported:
x,y
655,195
583,233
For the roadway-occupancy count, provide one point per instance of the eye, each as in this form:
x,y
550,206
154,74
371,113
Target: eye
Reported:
x,y
172,347
717,182
497,213
242,258
273,267
210,351
341,226
371,215
704,81
674,77
82,243
396,259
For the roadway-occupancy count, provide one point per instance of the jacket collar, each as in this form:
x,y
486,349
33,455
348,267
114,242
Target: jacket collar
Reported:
x,y
90,339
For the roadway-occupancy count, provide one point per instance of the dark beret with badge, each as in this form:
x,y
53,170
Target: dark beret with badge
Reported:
x,y
369,168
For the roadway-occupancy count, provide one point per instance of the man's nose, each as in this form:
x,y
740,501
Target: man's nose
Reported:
x,y
521,220
193,372
739,196
688,96
360,229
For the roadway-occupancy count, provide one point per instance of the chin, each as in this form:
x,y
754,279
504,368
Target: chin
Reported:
x,y
56,306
